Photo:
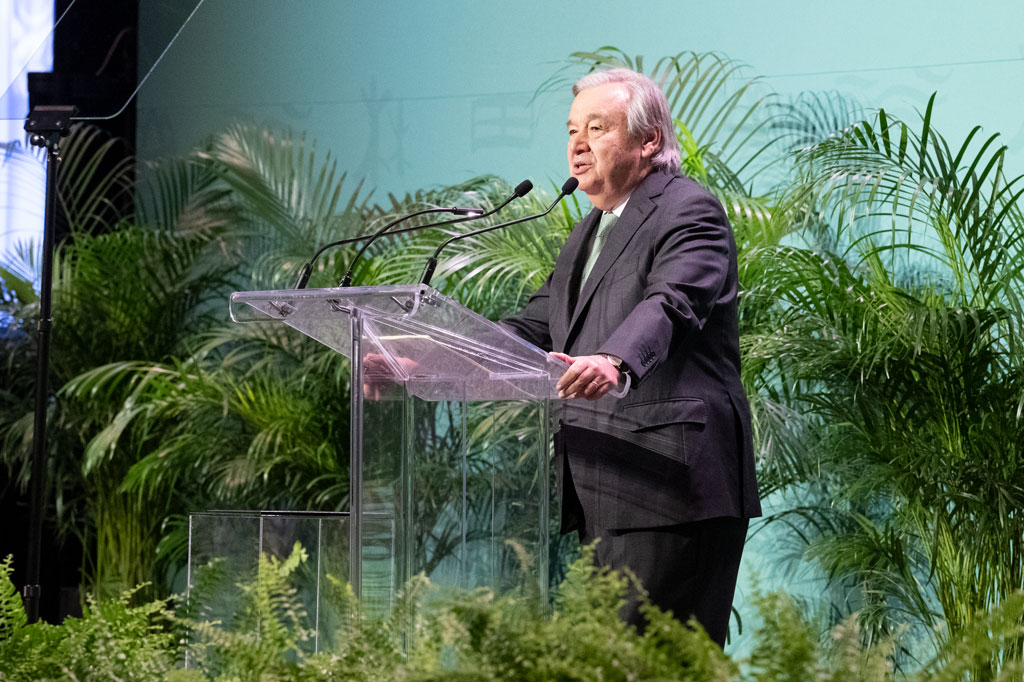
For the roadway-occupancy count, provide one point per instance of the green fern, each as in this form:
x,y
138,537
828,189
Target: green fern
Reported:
x,y
435,635
112,640
12,611
268,633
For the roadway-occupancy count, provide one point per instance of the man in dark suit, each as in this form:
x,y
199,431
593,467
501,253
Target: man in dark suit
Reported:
x,y
642,304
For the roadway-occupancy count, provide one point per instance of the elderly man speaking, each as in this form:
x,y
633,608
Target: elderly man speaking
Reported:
x,y
642,304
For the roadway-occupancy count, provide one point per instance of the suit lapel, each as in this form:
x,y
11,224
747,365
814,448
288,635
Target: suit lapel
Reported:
x,y
638,209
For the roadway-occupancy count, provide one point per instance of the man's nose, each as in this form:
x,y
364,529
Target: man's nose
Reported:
x,y
580,143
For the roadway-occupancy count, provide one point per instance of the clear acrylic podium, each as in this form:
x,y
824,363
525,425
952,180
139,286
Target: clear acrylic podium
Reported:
x,y
450,431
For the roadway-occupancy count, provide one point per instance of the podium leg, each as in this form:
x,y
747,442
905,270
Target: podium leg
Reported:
x,y
355,474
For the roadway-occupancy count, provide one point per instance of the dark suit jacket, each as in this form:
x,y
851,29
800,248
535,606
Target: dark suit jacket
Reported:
x,y
662,296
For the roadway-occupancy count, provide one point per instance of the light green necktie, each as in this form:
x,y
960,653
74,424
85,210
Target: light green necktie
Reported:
x,y
603,229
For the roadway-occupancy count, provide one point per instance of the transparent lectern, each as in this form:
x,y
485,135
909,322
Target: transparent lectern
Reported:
x,y
450,431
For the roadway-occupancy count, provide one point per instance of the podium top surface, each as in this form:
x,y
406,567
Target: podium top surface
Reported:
x,y
414,336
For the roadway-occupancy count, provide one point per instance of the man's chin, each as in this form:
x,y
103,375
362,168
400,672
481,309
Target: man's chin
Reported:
x,y
585,185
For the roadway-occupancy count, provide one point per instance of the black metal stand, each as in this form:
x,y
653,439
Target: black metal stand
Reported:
x,y
46,125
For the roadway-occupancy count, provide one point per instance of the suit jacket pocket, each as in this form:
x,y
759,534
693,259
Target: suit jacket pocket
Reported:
x,y
668,422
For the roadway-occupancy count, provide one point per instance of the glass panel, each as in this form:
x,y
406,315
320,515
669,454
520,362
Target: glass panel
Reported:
x,y
507,518
224,553
384,554
171,18
466,484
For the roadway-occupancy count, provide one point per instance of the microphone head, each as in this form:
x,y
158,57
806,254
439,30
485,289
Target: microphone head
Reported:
x,y
570,186
523,188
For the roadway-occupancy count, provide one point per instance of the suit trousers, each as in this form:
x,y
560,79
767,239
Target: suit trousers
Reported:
x,y
689,569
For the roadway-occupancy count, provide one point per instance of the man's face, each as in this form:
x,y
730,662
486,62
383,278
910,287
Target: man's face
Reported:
x,y
603,156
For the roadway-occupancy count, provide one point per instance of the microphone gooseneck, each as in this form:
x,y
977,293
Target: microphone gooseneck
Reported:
x,y
521,189
568,187
307,269
469,213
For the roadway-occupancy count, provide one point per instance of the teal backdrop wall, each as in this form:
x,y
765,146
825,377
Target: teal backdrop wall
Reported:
x,y
415,94
410,95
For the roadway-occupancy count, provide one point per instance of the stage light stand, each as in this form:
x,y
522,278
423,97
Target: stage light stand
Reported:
x,y
46,125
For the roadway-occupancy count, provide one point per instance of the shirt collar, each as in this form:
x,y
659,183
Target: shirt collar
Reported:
x,y
618,209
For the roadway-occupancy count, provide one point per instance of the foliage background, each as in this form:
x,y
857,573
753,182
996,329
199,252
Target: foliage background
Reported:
x,y
408,123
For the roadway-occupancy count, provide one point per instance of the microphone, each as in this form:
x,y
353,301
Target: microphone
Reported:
x,y
471,214
568,187
522,189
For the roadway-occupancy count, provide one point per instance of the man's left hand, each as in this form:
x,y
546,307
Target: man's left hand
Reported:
x,y
588,376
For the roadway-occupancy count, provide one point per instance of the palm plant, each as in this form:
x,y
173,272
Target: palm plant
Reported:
x,y
134,303
233,417
901,352
120,291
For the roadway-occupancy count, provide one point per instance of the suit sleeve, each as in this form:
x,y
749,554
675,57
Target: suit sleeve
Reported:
x,y
532,322
687,275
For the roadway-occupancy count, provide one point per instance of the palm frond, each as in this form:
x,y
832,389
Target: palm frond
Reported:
x,y
292,201
810,117
95,181
182,196
959,209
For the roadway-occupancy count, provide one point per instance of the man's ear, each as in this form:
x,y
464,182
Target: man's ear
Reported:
x,y
651,144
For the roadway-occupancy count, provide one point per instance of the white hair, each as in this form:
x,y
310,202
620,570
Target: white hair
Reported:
x,y
646,112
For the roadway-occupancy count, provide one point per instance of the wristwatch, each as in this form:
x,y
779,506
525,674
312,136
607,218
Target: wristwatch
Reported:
x,y
616,362
624,375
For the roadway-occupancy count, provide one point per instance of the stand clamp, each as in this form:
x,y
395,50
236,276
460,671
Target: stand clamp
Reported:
x,y
47,123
